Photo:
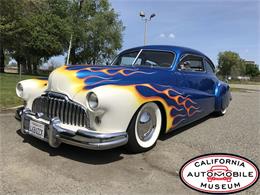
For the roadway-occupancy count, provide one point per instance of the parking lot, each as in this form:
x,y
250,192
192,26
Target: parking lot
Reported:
x,y
30,166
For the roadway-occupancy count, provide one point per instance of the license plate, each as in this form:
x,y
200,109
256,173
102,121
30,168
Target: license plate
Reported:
x,y
36,129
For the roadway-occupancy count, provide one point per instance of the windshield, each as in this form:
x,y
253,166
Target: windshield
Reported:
x,y
145,58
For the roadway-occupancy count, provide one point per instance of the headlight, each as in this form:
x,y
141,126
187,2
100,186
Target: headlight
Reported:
x,y
19,90
92,100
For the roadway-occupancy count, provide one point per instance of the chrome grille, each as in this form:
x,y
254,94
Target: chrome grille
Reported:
x,y
58,105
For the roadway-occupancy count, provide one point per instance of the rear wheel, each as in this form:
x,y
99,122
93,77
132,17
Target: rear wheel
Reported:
x,y
144,128
221,112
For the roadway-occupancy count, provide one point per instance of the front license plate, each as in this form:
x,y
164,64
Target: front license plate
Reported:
x,y
36,129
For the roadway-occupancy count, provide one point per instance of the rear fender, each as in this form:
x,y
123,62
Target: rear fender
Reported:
x,y
223,96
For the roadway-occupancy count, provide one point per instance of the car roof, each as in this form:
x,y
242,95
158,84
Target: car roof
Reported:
x,y
176,49
223,166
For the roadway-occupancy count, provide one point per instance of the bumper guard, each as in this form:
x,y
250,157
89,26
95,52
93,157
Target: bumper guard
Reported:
x,y
85,138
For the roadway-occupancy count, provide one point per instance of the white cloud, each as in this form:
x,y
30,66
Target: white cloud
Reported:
x,y
171,35
162,35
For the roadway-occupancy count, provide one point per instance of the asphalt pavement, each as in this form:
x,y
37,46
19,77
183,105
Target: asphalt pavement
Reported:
x,y
30,166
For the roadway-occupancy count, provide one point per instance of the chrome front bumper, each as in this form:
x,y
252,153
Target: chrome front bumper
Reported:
x,y
56,134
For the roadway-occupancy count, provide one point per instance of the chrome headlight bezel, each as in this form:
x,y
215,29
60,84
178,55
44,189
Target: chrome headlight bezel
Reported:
x,y
19,90
92,101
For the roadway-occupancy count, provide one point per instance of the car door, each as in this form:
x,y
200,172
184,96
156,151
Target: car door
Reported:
x,y
197,84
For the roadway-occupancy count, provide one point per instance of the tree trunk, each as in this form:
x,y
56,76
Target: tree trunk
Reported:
x,y
18,65
22,62
73,59
24,68
29,66
35,68
2,59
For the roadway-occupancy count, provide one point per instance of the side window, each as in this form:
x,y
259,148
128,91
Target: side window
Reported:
x,y
209,66
191,63
155,58
126,59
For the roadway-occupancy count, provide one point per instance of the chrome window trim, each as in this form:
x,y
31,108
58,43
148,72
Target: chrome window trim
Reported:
x,y
123,52
210,64
160,50
137,57
190,54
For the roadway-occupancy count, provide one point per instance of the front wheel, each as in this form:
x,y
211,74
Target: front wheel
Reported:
x,y
144,128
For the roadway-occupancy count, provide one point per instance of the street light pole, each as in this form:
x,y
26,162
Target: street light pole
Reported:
x,y
145,31
142,15
68,57
80,2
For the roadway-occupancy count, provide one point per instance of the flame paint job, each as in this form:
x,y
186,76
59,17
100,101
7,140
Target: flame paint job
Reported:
x,y
185,96
41,82
177,106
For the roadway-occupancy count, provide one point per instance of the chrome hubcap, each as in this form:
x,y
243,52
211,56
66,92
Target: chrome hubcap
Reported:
x,y
145,117
146,124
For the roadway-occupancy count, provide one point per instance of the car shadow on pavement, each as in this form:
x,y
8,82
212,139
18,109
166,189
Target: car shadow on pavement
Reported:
x,y
95,157
164,137
76,153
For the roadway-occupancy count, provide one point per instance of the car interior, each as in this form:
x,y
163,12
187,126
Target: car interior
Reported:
x,y
191,63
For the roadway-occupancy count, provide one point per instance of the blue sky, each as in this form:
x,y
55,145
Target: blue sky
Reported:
x,y
210,26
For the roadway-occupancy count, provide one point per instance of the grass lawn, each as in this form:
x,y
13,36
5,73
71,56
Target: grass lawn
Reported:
x,y
8,81
244,82
8,97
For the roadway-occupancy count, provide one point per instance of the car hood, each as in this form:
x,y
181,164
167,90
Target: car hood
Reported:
x,y
73,79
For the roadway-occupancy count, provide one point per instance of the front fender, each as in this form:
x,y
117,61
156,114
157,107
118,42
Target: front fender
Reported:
x,y
117,105
223,96
32,88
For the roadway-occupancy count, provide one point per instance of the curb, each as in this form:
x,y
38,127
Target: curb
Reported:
x,y
10,109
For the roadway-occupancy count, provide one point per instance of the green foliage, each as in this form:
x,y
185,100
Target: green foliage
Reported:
x,y
32,30
8,97
230,64
252,70
97,32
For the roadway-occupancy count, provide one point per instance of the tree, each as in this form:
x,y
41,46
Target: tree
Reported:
x,y
229,62
10,14
46,31
251,69
97,32
32,30
47,35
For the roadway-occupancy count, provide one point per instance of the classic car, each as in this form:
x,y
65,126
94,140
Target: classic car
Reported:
x,y
145,91
219,172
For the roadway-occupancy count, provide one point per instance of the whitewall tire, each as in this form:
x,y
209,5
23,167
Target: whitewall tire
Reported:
x,y
144,128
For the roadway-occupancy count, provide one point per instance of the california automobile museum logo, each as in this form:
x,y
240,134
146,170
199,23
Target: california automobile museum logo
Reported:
x,y
219,173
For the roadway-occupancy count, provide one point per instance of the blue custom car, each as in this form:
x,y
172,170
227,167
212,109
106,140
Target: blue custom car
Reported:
x,y
145,91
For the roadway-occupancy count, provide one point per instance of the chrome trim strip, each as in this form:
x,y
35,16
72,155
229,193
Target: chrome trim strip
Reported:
x,y
137,57
54,104
60,95
190,71
161,50
147,49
